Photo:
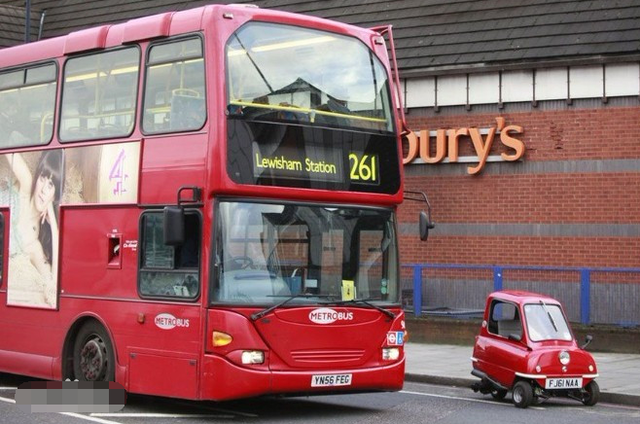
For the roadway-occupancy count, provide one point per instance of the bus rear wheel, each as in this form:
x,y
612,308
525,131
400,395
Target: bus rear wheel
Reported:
x,y
93,358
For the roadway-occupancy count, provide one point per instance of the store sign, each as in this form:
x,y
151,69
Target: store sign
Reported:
x,y
448,142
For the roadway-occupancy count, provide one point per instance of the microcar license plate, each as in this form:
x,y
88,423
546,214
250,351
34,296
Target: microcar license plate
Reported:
x,y
563,383
330,380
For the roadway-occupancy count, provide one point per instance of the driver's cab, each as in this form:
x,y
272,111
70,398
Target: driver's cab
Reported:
x,y
250,270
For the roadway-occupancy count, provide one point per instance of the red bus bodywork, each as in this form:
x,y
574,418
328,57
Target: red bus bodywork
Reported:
x,y
176,357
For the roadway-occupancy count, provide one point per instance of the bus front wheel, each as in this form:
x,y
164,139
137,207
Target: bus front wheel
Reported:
x,y
93,358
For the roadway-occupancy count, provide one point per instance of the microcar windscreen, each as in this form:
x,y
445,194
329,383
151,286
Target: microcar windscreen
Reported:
x,y
546,322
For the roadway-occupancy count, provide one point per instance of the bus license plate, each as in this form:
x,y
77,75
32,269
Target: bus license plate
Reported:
x,y
563,383
330,380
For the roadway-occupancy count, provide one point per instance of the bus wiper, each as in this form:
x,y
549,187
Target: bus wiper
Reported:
x,y
544,306
368,303
260,314
255,65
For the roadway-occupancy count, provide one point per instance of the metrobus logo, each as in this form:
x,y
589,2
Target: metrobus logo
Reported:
x,y
168,321
328,315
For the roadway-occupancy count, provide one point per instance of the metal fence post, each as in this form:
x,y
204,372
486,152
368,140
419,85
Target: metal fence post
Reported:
x,y
585,295
417,290
497,278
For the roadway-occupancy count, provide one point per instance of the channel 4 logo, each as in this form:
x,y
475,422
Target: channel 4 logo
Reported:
x,y
70,396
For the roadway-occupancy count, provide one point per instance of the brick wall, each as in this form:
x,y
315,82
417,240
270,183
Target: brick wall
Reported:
x,y
573,200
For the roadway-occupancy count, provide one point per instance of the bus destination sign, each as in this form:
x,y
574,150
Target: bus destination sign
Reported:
x,y
317,164
320,158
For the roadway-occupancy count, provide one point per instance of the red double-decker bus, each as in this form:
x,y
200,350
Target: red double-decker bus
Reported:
x,y
201,204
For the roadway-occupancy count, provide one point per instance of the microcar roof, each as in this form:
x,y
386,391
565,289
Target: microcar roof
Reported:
x,y
522,297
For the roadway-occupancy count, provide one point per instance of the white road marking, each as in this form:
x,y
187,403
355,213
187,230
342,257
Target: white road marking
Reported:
x,y
3,399
466,399
88,418
8,388
156,415
72,414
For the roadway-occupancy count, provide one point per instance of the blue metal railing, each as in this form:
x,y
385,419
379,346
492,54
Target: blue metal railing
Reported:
x,y
583,277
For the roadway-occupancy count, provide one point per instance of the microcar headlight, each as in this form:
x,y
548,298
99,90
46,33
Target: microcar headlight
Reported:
x,y
390,353
564,357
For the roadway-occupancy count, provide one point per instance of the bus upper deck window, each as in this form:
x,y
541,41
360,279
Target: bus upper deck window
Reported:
x,y
99,95
27,103
175,88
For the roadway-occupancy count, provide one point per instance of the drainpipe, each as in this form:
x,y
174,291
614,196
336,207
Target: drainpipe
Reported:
x,y
27,23
44,13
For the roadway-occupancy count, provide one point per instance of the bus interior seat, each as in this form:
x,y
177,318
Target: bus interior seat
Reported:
x,y
187,112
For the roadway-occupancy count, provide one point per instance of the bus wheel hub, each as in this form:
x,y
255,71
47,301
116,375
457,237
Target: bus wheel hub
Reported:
x,y
92,361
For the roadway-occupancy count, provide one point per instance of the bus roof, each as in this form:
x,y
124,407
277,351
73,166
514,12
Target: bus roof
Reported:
x,y
149,27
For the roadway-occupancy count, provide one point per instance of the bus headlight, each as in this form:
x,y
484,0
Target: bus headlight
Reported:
x,y
390,353
252,357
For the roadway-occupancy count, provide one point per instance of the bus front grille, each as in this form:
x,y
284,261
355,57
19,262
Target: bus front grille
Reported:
x,y
327,355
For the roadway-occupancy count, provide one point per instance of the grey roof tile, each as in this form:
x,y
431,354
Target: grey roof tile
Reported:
x,y
428,33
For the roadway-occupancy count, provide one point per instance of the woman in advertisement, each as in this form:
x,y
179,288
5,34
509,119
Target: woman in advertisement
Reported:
x,y
33,246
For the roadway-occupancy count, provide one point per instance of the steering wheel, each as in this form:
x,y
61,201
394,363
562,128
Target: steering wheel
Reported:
x,y
240,262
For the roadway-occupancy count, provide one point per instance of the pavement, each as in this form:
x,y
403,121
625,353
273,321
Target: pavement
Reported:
x,y
619,373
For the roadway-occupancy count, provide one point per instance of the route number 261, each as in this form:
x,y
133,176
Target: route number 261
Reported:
x,y
363,168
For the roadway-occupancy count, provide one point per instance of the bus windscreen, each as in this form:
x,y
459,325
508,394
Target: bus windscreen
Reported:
x,y
293,74
269,252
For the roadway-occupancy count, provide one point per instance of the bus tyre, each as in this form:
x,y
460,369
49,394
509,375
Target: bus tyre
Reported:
x,y
591,394
93,358
522,394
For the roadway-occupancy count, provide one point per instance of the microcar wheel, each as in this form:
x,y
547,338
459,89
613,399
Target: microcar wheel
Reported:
x,y
93,358
498,394
591,394
522,394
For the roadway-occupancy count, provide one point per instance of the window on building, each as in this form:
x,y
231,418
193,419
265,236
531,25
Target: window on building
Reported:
x,y
27,104
175,89
99,95
169,271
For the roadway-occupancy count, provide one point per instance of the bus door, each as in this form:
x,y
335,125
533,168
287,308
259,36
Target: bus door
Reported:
x,y
164,352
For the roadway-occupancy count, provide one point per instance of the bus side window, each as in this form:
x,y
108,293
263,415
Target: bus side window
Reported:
x,y
169,271
99,95
27,103
174,97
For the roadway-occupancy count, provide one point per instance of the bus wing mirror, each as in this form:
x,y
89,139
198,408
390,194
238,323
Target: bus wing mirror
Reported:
x,y
425,225
173,225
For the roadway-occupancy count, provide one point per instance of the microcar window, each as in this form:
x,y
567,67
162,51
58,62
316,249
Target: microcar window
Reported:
x,y
505,319
546,322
